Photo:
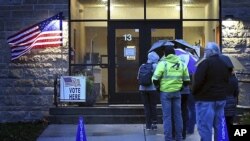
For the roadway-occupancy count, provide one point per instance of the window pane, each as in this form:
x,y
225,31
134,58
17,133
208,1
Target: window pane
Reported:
x,y
88,9
158,9
162,34
89,42
89,51
199,33
197,9
127,9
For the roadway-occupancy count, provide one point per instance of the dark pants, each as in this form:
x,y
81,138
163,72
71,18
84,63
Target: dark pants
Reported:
x,y
184,114
191,114
229,122
149,99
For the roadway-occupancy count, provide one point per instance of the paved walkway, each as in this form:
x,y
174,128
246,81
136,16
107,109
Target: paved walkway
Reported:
x,y
106,132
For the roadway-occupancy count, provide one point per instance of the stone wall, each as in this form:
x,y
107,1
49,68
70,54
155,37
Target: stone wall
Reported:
x,y
26,84
236,41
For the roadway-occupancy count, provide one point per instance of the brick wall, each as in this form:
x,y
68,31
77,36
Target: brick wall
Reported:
x,y
236,41
26,84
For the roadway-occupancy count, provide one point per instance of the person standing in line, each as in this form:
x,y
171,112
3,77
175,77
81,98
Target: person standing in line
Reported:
x,y
210,90
231,101
149,96
170,75
191,118
191,114
185,92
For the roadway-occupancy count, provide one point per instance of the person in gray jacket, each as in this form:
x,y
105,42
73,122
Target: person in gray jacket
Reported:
x,y
149,96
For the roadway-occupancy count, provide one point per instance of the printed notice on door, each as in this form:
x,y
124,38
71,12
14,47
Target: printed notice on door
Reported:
x,y
130,52
73,89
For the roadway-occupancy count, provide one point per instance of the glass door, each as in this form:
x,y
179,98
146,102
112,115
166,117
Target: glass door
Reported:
x,y
129,43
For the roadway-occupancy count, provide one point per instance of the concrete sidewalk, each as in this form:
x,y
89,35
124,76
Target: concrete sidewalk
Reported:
x,y
106,132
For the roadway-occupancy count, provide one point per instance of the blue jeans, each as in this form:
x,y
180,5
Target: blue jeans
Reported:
x,y
171,100
209,115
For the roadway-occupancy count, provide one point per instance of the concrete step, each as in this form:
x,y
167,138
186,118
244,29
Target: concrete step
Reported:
x,y
99,115
108,114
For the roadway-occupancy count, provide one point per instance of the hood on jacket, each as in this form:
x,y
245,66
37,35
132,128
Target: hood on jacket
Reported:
x,y
211,49
153,57
172,58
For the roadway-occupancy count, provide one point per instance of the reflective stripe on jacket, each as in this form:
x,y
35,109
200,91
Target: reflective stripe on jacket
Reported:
x,y
171,72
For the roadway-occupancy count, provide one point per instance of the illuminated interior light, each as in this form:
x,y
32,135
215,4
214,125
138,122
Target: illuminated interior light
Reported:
x,y
111,8
177,7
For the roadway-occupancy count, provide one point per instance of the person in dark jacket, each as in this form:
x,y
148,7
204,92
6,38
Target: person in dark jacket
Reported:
x,y
191,117
210,90
231,101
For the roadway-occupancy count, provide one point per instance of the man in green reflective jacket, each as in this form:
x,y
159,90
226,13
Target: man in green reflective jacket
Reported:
x,y
170,76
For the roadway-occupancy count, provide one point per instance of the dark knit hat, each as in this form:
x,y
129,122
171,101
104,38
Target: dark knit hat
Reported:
x,y
169,50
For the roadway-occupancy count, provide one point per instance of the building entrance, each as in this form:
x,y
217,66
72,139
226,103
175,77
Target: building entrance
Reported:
x,y
128,45
110,39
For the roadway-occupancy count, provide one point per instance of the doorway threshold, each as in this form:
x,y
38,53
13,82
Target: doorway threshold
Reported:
x,y
126,105
129,105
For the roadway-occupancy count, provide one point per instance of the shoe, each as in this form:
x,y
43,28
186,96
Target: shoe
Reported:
x,y
184,136
154,126
148,127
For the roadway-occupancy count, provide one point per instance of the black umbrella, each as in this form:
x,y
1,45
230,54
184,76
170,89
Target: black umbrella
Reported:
x,y
180,43
232,62
159,46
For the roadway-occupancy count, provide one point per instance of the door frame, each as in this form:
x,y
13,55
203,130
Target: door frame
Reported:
x,y
144,41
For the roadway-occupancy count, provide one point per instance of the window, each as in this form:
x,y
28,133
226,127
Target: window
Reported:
x,y
168,9
126,9
196,9
89,53
199,33
88,9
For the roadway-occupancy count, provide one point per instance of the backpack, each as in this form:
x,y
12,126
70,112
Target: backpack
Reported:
x,y
145,74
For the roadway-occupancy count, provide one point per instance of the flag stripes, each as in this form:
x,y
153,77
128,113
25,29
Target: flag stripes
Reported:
x,y
41,35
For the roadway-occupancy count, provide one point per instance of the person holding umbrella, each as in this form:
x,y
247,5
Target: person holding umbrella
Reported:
x,y
170,75
188,121
187,55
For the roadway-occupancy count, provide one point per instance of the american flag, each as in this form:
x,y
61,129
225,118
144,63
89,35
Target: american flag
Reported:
x,y
69,82
47,33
